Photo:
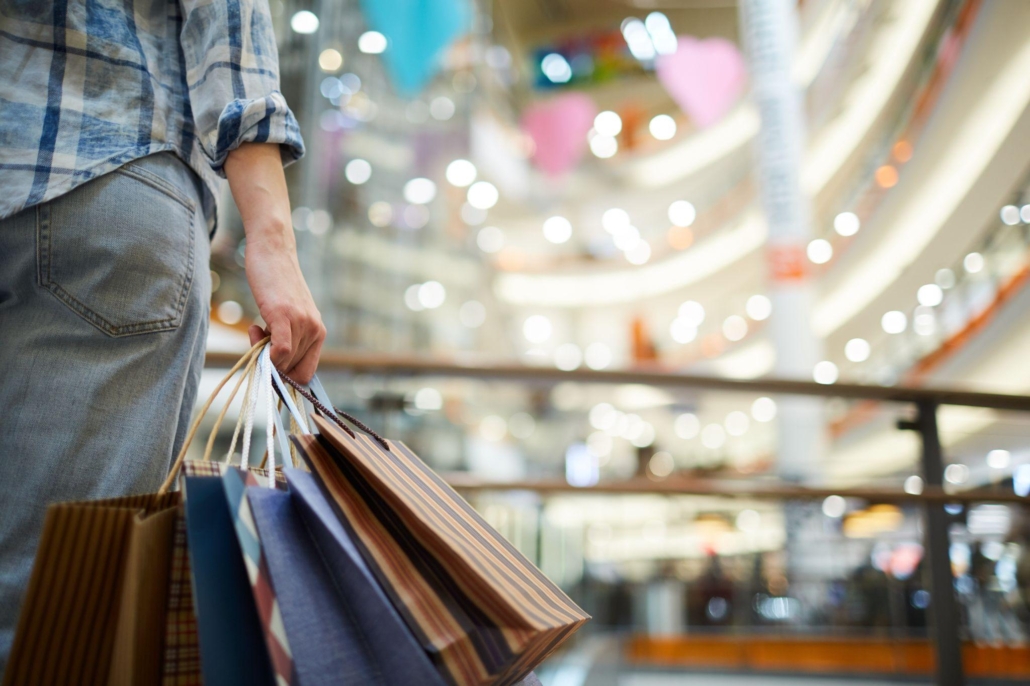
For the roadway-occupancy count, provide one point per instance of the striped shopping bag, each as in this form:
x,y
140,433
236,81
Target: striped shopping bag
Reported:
x,y
483,612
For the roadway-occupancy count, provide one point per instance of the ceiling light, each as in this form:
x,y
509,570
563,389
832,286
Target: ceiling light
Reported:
x,y
441,108
661,464
713,436
614,220
930,295
682,331
924,323
483,195
687,426
598,355
945,278
472,314
556,68
820,251
973,262
763,409
661,33
537,329
627,238
662,127
734,328
358,171
957,473
737,423
411,298
431,294
834,507
372,43
603,146
330,60
461,173
914,485
692,312
857,350
825,372
419,191
846,224
304,22
1010,215
380,213
568,356
758,307
230,312
428,399
490,239
639,254
682,213
557,229
999,459
637,38
894,322
608,123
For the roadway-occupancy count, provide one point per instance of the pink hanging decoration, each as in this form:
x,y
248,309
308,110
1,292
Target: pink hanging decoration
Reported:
x,y
704,77
559,129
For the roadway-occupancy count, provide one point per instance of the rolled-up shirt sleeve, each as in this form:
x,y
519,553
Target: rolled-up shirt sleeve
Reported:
x,y
232,71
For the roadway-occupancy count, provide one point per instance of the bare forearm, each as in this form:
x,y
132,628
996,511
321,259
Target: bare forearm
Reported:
x,y
258,186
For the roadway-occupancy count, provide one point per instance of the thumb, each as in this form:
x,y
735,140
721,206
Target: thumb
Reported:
x,y
256,334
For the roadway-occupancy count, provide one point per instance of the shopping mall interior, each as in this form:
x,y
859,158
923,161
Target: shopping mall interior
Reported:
x,y
716,309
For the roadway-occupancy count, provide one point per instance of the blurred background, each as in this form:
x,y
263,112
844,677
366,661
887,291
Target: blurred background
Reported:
x,y
600,200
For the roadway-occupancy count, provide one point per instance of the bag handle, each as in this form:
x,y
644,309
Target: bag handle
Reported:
x,y
325,407
249,358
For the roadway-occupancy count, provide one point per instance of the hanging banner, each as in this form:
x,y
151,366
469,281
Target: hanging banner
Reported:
x,y
418,33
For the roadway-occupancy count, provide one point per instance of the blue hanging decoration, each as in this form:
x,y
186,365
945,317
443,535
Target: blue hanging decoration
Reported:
x,y
417,34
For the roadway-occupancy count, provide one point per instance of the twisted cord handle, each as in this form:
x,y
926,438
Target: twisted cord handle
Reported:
x,y
331,413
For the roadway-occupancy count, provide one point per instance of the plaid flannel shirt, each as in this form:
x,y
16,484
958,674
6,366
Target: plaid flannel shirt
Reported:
x,y
88,85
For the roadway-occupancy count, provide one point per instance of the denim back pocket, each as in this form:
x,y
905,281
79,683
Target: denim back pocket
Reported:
x,y
119,251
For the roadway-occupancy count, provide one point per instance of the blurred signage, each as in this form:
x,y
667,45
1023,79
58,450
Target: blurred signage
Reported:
x,y
591,59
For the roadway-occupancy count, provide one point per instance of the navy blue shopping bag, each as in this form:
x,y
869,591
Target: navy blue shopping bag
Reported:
x,y
232,642
341,626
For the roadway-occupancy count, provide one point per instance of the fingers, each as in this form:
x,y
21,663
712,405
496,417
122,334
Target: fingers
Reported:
x,y
282,351
296,344
308,364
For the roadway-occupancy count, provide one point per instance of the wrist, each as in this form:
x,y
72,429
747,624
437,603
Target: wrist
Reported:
x,y
271,234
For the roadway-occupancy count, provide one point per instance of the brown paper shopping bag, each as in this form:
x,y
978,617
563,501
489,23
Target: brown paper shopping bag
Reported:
x,y
98,593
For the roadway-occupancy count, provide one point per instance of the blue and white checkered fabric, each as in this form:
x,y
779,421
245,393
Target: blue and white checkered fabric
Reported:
x,y
88,85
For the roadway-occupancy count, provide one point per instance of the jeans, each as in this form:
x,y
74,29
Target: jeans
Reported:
x,y
104,307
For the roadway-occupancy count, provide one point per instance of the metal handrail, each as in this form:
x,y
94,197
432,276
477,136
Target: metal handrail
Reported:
x,y
725,488
403,365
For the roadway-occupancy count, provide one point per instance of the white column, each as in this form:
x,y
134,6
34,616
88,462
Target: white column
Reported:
x,y
769,33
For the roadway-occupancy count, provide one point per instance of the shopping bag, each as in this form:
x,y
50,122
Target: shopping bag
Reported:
x,y
182,647
94,611
480,609
232,643
108,600
340,624
237,590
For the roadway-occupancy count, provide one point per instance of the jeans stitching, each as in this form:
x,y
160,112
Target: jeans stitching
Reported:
x,y
158,183
44,258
